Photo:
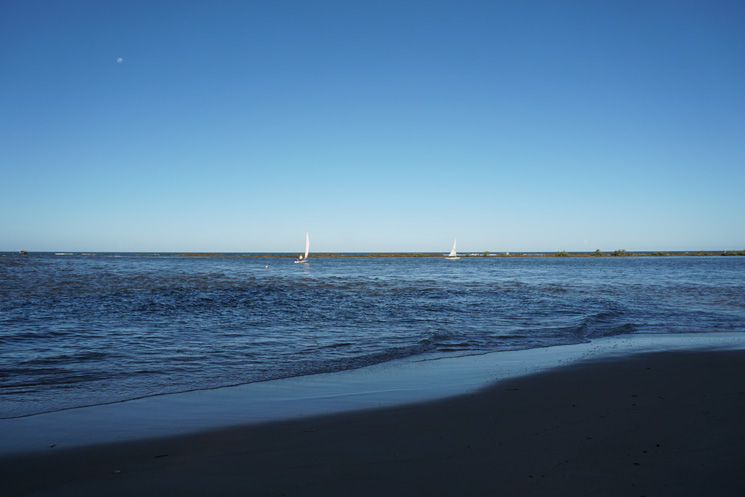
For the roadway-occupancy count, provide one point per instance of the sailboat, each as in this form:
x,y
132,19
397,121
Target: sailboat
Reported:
x,y
304,258
453,256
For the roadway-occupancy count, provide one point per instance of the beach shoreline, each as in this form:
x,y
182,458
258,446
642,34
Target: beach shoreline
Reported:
x,y
404,381
651,422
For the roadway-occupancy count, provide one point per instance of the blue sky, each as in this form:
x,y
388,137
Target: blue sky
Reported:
x,y
374,125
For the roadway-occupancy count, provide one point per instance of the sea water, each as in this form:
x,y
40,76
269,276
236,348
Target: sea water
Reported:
x,y
90,329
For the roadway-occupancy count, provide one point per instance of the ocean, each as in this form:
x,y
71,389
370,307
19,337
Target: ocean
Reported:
x,y
90,329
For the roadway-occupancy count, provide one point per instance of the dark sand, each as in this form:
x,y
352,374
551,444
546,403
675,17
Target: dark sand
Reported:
x,y
659,424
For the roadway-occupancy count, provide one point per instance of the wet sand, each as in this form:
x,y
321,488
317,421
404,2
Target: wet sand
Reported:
x,y
654,424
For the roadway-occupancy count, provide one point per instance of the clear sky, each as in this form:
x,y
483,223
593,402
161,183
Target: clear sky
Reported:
x,y
518,125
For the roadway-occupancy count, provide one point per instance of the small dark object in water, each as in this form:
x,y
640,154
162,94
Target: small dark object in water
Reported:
x,y
22,252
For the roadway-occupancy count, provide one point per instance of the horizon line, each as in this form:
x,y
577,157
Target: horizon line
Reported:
x,y
406,253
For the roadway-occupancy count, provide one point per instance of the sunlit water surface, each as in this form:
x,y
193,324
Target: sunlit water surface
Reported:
x,y
89,329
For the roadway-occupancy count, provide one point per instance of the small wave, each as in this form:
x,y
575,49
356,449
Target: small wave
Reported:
x,y
67,359
337,345
554,288
622,329
57,379
455,347
606,323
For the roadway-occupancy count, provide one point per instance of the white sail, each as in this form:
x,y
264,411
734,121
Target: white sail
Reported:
x,y
453,253
304,257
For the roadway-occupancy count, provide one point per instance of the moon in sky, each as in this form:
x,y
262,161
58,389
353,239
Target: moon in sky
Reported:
x,y
120,60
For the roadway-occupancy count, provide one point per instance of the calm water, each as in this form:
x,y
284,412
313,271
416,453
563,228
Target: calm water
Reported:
x,y
89,329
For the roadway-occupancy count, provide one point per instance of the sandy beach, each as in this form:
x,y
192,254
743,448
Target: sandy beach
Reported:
x,y
652,424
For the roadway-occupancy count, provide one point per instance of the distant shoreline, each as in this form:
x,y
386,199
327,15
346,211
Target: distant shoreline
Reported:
x,y
331,255
472,255
503,254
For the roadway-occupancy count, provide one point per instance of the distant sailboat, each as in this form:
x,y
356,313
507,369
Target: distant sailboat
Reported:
x,y
304,258
453,256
